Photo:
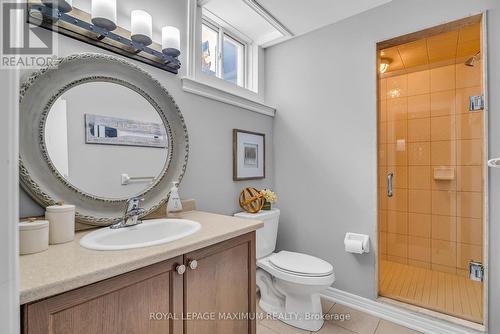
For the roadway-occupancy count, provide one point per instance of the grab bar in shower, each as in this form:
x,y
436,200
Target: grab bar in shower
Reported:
x,y
389,184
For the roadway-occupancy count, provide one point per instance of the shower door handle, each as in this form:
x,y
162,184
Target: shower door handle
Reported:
x,y
389,184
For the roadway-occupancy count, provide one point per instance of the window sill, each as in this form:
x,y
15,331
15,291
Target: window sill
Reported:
x,y
209,91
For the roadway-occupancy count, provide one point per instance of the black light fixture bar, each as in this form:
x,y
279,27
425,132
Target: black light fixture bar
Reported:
x,y
52,15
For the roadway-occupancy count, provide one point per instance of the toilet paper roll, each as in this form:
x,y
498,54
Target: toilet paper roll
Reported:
x,y
354,246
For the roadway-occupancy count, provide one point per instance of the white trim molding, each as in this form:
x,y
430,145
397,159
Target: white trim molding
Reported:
x,y
9,191
410,319
9,200
266,15
205,90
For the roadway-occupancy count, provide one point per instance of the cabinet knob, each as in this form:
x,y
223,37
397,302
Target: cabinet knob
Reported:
x,y
193,264
181,269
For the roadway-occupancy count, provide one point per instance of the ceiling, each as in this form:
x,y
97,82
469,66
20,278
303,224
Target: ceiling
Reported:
x,y
266,22
269,22
301,17
450,46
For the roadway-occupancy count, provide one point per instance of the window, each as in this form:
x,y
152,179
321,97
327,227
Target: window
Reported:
x,y
209,49
222,55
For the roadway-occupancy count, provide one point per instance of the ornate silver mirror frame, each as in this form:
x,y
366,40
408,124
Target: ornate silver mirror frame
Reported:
x,y
39,177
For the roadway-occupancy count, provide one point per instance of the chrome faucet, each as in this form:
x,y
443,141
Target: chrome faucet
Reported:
x,y
131,215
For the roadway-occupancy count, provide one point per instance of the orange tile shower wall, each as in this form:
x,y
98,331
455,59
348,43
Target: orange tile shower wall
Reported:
x,y
425,125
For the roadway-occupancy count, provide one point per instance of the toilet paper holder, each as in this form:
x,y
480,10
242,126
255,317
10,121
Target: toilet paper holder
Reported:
x,y
355,238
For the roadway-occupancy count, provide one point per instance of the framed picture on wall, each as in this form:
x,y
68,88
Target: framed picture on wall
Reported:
x,y
249,155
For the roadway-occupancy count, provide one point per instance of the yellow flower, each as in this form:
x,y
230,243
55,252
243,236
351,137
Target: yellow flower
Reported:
x,y
269,195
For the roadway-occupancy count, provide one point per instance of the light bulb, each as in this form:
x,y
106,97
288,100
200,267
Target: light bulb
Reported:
x,y
384,65
383,68
104,14
170,41
142,27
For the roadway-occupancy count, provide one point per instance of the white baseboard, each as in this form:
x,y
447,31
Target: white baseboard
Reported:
x,y
410,319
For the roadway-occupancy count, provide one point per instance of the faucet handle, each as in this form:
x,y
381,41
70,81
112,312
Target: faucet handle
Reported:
x,y
133,203
136,199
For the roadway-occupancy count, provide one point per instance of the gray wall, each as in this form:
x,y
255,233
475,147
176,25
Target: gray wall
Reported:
x,y
208,177
325,134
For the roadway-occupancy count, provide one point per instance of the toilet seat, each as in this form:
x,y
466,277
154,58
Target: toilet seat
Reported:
x,y
295,277
300,264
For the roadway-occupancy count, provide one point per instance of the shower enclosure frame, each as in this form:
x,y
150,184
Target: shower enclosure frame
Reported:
x,y
482,17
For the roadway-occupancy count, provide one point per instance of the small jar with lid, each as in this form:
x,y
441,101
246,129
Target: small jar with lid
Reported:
x,y
33,236
62,223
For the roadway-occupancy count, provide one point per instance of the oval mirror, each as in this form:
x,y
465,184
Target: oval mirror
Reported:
x,y
96,130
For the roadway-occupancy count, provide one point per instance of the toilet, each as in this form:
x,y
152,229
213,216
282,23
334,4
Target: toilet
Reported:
x,y
290,283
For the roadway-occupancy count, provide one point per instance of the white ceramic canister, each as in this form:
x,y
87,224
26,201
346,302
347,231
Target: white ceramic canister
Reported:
x,y
33,236
62,223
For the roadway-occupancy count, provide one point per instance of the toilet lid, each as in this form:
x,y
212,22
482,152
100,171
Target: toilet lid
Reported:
x,y
301,264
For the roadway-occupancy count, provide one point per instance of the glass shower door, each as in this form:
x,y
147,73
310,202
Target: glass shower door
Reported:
x,y
431,186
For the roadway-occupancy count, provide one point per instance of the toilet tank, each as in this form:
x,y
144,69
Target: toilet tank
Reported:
x,y
265,236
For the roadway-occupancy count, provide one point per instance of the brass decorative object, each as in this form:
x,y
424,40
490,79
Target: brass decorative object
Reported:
x,y
251,200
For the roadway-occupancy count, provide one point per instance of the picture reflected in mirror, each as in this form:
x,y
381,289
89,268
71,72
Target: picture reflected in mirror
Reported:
x,y
118,131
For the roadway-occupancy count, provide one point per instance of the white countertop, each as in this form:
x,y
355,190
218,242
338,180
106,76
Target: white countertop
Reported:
x,y
69,266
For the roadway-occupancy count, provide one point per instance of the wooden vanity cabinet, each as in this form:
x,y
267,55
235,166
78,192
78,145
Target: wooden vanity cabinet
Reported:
x,y
221,288
118,305
199,293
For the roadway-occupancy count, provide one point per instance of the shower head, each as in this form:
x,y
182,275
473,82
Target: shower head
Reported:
x,y
472,60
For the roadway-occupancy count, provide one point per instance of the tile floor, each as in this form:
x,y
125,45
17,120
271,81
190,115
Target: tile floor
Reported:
x,y
451,294
358,323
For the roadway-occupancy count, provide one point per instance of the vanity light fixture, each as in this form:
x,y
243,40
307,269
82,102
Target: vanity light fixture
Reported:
x,y
104,14
142,27
100,28
384,64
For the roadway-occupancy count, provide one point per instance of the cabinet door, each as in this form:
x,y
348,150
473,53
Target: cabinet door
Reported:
x,y
222,286
121,305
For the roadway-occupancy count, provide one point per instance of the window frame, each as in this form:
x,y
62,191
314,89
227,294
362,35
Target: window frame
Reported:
x,y
196,82
235,37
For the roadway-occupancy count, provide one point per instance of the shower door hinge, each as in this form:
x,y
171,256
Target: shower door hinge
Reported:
x,y
476,271
476,103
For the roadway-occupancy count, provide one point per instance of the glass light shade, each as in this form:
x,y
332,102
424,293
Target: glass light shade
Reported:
x,y
104,14
62,5
384,65
383,68
171,41
142,27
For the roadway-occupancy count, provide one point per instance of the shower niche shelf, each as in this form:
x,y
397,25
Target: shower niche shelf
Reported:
x,y
444,173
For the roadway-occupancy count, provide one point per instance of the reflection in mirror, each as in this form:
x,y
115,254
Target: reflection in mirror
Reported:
x,y
106,140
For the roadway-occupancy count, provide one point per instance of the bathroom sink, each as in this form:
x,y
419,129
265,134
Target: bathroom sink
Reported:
x,y
150,233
